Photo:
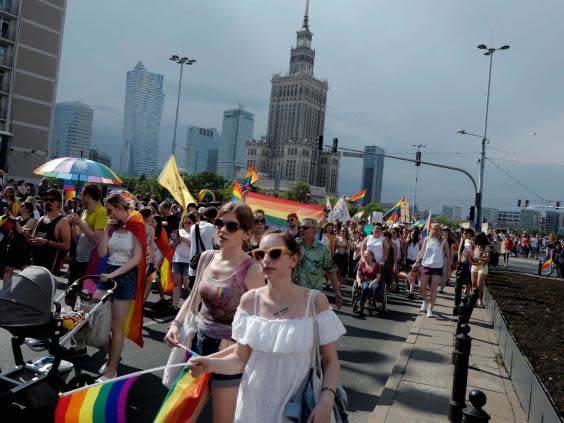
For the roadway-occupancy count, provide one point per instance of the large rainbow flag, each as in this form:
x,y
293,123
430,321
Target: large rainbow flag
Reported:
x,y
546,262
99,403
183,397
394,214
358,199
427,228
277,210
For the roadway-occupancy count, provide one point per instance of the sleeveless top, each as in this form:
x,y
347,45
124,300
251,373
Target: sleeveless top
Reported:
x,y
376,245
397,242
341,245
412,250
368,274
43,255
220,299
434,254
120,248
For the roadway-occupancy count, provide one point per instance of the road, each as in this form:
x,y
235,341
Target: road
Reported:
x,y
524,265
367,354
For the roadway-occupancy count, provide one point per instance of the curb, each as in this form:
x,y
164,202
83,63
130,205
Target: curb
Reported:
x,y
386,399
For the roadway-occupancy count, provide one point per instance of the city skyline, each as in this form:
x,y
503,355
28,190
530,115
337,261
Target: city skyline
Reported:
x,y
72,130
429,85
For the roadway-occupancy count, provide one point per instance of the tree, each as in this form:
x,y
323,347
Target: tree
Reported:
x,y
446,221
299,192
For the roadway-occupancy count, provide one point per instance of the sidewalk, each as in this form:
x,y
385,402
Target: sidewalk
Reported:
x,y
419,387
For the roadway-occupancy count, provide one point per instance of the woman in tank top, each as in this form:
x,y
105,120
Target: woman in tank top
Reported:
x,y
225,276
431,260
341,256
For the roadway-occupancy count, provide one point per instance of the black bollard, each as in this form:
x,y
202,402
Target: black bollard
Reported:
x,y
465,310
460,378
461,272
474,412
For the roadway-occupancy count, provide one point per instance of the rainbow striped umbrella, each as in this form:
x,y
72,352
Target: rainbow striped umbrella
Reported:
x,y
78,170
125,194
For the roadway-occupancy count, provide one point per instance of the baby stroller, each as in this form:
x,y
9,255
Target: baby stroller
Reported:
x,y
28,310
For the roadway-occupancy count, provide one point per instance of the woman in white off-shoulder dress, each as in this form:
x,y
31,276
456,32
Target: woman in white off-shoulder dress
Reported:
x,y
274,328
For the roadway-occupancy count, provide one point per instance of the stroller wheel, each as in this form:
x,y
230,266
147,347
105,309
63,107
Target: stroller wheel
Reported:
x,y
79,381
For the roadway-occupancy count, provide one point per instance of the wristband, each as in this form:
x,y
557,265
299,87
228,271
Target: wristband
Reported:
x,y
326,388
177,323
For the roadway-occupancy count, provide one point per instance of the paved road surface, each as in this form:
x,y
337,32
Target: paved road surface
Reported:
x,y
367,354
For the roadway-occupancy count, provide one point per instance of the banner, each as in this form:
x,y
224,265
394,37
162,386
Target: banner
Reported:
x,y
276,210
340,211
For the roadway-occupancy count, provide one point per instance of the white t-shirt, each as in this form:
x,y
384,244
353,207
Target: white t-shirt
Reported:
x,y
434,253
182,251
206,235
534,242
376,245
412,250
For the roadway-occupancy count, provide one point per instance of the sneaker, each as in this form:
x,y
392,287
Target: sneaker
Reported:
x,y
441,290
430,313
105,378
424,306
480,304
104,366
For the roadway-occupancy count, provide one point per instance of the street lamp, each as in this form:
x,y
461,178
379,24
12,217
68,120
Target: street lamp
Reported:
x,y
479,195
181,61
417,165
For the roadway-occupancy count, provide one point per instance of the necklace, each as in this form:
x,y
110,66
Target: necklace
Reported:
x,y
280,312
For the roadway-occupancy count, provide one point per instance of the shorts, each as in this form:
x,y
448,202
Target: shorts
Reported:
x,y
180,267
480,270
341,260
126,283
431,271
206,345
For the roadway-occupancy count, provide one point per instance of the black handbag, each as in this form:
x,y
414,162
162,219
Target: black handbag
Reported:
x,y
200,248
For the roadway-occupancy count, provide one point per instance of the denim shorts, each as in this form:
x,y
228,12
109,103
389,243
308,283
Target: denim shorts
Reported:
x,y
432,271
180,267
126,283
206,345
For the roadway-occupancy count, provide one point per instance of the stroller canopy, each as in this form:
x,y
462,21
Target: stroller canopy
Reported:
x,y
29,299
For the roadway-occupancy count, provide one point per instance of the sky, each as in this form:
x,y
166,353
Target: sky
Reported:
x,y
400,72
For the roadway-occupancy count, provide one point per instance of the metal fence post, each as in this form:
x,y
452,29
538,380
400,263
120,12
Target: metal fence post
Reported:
x,y
461,272
460,378
474,412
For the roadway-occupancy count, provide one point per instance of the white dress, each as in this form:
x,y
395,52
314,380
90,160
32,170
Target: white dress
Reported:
x,y
279,361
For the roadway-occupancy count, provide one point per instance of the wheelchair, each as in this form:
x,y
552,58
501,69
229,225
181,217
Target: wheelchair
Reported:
x,y
373,305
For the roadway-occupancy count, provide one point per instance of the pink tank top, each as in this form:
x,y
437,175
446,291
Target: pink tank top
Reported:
x,y
220,299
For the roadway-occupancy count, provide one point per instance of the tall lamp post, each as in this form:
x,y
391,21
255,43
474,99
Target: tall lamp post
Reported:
x,y
417,166
490,52
181,61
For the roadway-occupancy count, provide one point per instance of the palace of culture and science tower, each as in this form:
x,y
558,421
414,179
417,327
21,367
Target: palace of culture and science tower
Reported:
x,y
296,119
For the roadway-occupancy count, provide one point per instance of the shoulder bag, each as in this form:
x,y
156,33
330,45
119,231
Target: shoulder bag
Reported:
x,y
200,248
189,326
303,401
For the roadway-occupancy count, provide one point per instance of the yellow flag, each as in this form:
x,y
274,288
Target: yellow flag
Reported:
x,y
171,180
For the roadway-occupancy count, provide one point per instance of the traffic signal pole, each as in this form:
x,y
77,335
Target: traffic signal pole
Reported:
x,y
349,152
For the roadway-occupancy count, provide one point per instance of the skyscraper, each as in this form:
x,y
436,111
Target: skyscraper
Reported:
x,y
144,100
72,130
296,118
202,150
372,173
31,37
237,130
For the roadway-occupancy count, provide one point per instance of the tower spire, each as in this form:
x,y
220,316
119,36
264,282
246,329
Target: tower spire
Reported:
x,y
306,15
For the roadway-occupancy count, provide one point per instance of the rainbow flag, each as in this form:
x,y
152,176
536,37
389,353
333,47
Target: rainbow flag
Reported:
x,y
250,178
183,397
237,194
100,403
277,209
394,214
546,262
427,228
358,199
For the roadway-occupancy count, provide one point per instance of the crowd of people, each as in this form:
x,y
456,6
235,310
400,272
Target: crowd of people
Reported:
x,y
260,288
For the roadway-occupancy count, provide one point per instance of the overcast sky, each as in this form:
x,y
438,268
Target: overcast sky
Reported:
x,y
400,72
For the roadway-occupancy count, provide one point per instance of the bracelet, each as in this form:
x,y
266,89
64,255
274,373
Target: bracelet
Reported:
x,y
177,323
326,388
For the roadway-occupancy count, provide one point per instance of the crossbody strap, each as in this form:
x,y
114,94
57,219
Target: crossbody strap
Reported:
x,y
195,299
316,355
199,243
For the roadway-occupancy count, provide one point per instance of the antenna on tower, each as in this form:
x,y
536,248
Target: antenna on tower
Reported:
x,y
306,14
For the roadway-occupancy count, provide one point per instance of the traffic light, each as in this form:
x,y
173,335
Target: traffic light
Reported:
x,y
526,203
418,158
518,203
557,204
335,144
320,143
471,216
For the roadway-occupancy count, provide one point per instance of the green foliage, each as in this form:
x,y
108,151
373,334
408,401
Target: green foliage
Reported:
x,y
447,222
299,192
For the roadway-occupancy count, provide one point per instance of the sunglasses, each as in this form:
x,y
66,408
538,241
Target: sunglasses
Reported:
x,y
49,200
259,221
274,253
230,226
305,228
